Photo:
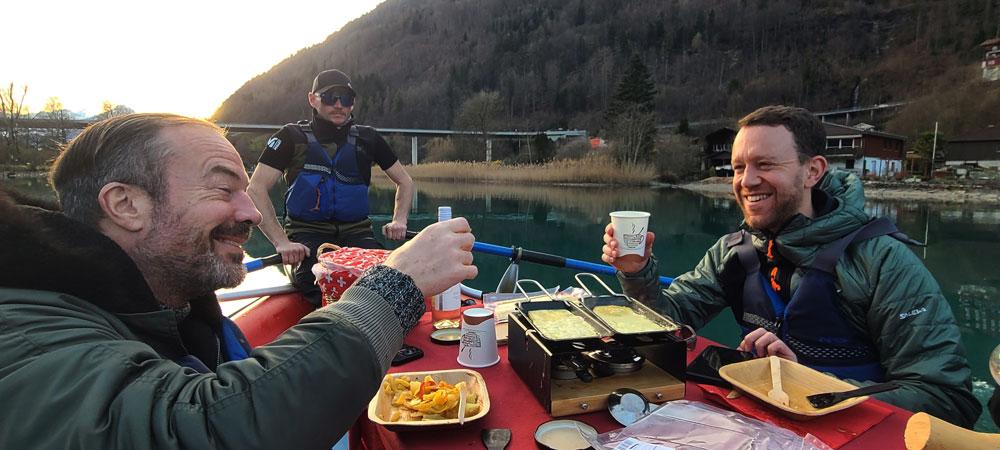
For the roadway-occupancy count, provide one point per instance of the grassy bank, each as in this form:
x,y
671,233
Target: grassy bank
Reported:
x,y
589,170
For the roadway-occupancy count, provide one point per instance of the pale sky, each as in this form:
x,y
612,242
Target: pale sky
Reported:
x,y
179,56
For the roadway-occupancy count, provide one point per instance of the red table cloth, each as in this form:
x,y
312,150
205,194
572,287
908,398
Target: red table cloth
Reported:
x,y
836,429
514,406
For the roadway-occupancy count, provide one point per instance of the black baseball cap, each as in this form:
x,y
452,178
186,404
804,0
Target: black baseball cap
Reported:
x,y
329,79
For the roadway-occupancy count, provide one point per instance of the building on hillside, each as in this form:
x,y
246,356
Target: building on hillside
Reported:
x,y
978,150
718,152
865,152
991,60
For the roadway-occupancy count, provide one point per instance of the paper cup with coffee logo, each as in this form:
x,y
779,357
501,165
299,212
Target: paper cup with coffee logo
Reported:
x,y
478,347
630,231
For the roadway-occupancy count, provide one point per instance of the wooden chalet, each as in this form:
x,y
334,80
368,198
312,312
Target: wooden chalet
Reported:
x,y
718,152
864,151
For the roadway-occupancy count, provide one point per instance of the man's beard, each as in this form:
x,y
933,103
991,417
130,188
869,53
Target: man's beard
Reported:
x,y
786,206
181,260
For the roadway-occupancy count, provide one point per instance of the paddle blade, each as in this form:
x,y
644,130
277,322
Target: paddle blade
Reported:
x,y
508,282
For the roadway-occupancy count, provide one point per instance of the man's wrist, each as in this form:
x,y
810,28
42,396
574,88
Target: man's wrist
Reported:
x,y
398,290
641,273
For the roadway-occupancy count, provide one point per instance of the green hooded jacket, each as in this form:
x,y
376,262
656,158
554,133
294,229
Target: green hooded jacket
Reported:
x,y
88,357
887,293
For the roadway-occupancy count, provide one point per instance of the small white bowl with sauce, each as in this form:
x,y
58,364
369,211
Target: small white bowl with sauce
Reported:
x,y
563,435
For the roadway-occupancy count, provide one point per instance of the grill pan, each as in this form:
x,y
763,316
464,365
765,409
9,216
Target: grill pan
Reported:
x,y
553,303
613,298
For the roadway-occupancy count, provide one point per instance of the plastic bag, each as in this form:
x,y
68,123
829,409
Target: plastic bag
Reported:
x,y
687,425
337,270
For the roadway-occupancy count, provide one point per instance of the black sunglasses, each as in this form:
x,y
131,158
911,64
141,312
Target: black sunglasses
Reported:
x,y
330,99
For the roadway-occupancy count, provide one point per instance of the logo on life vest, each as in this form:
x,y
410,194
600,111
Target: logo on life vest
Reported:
x,y
912,313
273,143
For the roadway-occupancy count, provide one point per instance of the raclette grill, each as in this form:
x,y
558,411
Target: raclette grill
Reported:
x,y
576,375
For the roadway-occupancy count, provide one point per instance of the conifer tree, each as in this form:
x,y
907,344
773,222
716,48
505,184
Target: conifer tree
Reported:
x,y
635,89
631,114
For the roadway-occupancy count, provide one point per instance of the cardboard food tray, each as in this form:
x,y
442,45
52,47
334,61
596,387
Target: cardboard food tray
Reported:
x,y
798,381
380,407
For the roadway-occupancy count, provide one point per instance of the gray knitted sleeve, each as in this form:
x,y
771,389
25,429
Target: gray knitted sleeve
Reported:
x,y
399,290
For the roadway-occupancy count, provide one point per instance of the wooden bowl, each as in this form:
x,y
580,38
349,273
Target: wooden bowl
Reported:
x,y
380,408
754,378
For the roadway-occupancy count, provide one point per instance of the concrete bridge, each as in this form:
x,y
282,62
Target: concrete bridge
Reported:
x,y
842,116
413,133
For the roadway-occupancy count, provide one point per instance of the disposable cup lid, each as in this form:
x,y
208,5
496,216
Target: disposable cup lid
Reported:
x,y
629,214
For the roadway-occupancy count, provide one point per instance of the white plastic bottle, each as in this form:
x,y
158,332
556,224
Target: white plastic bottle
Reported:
x,y
446,307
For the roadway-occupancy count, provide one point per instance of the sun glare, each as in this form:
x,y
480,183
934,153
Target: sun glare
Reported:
x,y
183,56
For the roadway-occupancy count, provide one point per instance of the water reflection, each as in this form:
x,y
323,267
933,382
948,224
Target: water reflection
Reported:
x,y
978,308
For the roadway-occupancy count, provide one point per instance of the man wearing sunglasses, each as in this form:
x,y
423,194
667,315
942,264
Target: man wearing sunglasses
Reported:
x,y
326,162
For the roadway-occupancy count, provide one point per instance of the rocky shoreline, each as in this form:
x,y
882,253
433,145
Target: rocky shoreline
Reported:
x,y
902,191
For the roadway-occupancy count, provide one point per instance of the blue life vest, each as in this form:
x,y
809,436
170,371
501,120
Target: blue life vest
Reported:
x,y
328,189
233,346
811,323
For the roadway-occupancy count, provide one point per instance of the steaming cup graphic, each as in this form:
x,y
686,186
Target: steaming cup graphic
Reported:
x,y
630,231
478,347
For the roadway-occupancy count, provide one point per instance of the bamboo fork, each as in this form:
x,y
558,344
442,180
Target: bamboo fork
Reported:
x,y
776,393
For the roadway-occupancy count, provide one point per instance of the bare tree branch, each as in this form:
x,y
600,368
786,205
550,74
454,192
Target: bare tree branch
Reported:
x,y
11,110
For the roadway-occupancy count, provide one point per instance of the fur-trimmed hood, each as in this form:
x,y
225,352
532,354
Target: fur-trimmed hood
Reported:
x,y
46,251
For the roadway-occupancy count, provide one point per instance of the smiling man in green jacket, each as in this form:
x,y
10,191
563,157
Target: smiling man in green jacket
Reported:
x,y
110,333
811,277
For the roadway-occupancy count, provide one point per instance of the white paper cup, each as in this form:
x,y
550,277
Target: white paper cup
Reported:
x,y
630,231
478,347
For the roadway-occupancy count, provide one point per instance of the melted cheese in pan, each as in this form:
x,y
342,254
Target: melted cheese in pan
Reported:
x,y
624,320
561,324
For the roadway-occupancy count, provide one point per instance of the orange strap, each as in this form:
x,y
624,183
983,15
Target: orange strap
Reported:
x,y
774,270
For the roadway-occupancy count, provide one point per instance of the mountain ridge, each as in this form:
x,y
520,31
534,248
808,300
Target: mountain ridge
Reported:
x,y
555,63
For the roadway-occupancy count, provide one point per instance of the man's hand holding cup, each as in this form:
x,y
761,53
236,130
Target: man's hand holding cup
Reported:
x,y
627,242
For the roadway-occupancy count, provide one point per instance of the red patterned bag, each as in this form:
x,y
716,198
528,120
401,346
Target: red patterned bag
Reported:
x,y
337,270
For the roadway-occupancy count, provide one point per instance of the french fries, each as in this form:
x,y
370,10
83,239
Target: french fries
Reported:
x,y
427,400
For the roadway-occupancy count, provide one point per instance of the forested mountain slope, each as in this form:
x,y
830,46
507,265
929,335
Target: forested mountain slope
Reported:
x,y
555,63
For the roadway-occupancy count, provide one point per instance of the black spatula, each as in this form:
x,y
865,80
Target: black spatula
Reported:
x,y
832,398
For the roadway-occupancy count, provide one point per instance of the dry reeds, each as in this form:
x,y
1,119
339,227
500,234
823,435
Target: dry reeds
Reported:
x,y
592,169
594,202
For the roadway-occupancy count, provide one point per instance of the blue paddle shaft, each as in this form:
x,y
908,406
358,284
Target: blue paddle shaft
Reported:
x,y
261,263
545,259
551,260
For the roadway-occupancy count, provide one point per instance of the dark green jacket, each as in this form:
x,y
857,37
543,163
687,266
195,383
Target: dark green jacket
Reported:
x,y
87,356
887,294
